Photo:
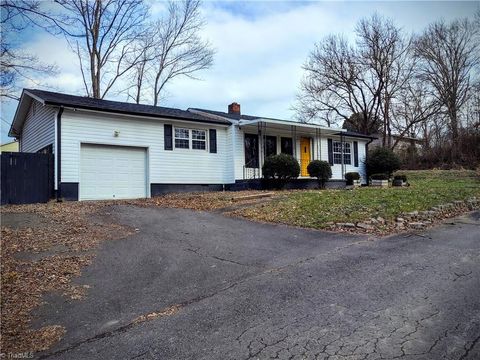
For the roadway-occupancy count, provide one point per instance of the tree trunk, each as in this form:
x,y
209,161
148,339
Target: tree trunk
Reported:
x,y
94,55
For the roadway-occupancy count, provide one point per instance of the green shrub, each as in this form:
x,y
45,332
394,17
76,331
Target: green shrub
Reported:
x,y
382,160
351,176
379,176
321,170
280,168
400,178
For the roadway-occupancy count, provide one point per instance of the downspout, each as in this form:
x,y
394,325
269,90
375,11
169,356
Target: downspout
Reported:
x,y
294,141
59,152
260,148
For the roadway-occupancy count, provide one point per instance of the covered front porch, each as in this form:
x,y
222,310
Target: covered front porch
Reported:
x,y
305,142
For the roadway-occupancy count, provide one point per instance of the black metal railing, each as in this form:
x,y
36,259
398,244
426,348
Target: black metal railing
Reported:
x,y
251,170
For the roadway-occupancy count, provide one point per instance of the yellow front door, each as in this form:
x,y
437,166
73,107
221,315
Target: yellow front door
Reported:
x,y
304,155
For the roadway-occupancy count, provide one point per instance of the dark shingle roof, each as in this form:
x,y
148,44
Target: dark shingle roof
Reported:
x,y
357,134
228,115
58,99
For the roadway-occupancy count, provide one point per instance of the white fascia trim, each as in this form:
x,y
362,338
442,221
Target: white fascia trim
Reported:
x,y
289,123
247,122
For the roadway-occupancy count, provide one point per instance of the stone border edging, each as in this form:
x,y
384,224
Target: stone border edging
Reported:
x,y
411,220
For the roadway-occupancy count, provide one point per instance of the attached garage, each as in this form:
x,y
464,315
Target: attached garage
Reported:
x,y
112,172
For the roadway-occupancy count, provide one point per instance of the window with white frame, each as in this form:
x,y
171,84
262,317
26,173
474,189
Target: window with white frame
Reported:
x,y
337,153
182,137
190,139
199,139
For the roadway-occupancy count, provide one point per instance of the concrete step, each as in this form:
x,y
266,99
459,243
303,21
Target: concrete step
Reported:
x,y
252,196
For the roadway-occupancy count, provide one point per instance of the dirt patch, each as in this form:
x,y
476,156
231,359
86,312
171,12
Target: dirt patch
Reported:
x,y
23,220
45,246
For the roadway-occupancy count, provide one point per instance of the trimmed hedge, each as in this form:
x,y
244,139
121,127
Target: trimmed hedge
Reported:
x,y
382,160
321,170
351,176
280,168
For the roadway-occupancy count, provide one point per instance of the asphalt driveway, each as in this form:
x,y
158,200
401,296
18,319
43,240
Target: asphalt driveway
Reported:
x,y
195,285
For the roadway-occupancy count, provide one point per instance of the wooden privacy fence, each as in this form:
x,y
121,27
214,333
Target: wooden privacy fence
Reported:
x,y
26,178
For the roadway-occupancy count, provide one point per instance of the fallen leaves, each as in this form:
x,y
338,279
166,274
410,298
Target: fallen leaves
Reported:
x,y
169,311
55,246
206,201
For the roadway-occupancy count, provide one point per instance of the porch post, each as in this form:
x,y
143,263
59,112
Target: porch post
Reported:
x,y
341,142
294,141
319,144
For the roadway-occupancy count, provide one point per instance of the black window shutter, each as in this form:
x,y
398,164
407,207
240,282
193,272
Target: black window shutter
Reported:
x,y
213,140
330,151
355,153
167,135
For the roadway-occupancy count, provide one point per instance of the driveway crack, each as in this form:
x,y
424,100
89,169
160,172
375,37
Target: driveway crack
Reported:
x,y
197,252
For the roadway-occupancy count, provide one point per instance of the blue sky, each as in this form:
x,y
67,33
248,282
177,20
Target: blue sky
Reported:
x,y
260,46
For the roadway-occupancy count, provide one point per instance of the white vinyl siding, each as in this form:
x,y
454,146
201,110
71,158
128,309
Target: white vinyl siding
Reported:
x,y
39,128
237,144
167,167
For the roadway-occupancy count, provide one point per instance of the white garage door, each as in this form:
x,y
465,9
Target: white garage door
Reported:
x,y
112,172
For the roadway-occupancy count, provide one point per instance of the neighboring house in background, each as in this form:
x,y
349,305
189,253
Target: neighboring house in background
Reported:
x,y
402,142
9,147
115,150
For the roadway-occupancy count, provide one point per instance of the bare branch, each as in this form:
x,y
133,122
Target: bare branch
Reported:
x,y
104,32
172,48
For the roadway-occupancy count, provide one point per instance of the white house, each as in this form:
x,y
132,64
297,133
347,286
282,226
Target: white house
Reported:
x,y
114,150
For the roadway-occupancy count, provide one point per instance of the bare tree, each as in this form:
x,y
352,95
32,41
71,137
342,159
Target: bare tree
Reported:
x,y
137,77
171,49
413,108
16,64
386,51
448,55
471,110
102,33
337,85
361,80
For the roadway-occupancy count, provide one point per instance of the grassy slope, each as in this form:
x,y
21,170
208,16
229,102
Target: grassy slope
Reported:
x,y
316,208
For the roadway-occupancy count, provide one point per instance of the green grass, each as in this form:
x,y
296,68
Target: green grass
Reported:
x,y
316,208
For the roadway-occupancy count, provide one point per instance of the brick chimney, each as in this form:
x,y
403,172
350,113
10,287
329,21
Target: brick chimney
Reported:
x,y
234,108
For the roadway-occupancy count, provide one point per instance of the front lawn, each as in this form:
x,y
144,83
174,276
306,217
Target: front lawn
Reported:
x,y
318,208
